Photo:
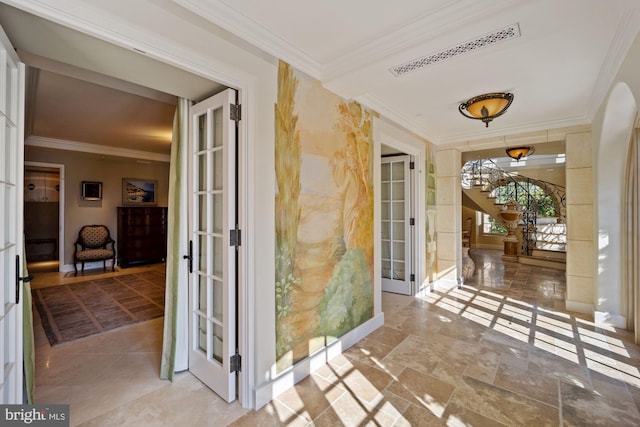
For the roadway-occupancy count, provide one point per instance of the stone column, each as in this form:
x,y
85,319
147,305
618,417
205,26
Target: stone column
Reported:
x,y
580,236
449,216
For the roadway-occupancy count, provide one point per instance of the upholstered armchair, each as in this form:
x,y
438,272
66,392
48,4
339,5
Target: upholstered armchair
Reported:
x,y
93,241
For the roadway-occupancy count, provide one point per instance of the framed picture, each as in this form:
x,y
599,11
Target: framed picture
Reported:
x,y
136,191
91,190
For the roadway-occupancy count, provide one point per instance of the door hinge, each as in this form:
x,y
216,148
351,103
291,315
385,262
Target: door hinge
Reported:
x,y
235,237
235,363
235,112
412,221
412,165
412,278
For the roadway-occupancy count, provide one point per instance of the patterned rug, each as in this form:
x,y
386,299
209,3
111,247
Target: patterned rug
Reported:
x,y
77,310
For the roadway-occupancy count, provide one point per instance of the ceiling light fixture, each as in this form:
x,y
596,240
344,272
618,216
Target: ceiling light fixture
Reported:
x,y
486,107
517,153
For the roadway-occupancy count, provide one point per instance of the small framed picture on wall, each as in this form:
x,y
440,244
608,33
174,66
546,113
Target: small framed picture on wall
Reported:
x,y
136,191
91,190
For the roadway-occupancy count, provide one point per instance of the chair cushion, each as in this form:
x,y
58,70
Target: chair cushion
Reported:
x,y
94,236
94,254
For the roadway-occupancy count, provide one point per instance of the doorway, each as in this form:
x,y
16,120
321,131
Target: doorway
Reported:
x,y
397,223
43,214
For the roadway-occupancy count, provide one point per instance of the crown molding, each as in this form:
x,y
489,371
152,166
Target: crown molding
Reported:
x,y
224,16
470,137
618,49
392,115
60,144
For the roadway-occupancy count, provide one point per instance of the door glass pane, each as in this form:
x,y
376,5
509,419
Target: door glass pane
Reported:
x,y
217,170
202,132
202,251
398,250
217,128
386,229
386,249
202,294
385,172
384,211
386,269
202,333
202,212
217,256
384,191
202,172
398,210
398,190
217,342
217,299
398,171
398,270
398,230
217,213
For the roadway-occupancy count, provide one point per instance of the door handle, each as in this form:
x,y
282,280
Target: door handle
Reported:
x,y
20,279
189,256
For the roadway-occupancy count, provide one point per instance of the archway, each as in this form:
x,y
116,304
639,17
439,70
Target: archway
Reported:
x,y
611,160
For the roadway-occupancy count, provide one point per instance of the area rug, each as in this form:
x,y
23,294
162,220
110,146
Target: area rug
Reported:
x,y
81,309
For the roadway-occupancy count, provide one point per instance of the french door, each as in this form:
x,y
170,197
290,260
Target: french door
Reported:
x,y
11,197
212,284
396,227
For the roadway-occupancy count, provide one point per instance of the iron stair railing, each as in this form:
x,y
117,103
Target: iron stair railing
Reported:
x,y
489,177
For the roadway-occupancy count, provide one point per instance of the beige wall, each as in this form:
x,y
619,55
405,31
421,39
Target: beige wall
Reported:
x,y
80,167
477,239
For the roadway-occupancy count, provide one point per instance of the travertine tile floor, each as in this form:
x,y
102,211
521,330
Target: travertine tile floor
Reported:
x,y
499,351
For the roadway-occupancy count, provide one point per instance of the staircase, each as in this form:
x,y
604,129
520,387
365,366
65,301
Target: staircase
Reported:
x,y
543,242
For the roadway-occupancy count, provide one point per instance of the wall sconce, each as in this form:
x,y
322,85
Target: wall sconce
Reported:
x,y
516,153
486,107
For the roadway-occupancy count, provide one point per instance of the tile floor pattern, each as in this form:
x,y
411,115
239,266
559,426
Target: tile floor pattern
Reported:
x,y
500,351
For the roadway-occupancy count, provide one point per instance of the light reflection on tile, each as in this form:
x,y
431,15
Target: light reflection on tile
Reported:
x,y
500,351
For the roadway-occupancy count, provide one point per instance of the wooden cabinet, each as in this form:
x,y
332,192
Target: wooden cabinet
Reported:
x,y
142,235
41,186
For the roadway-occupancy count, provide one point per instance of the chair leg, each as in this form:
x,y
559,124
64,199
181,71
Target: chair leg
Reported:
x,y
113,265
104,265
75,268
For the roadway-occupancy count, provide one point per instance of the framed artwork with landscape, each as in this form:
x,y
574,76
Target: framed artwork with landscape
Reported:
x,y
137,191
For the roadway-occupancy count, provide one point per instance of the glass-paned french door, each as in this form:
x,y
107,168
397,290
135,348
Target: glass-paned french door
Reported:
x,y
212,323
396,249
11,197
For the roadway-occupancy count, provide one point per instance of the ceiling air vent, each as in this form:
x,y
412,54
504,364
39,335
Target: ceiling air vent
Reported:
x,y
507,33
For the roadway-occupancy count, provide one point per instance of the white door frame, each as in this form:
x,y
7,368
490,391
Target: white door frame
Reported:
x,y
245,83
60,207
12,74
389,135
390,284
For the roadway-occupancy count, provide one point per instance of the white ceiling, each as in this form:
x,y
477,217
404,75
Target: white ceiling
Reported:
x,y
559,68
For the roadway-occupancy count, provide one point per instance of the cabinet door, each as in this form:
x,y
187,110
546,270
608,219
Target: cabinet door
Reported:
x,y
41,186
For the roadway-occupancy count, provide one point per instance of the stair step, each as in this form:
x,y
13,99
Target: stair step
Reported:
x,y
542,262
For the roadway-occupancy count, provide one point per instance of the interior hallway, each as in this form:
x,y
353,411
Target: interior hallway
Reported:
x,y
499,351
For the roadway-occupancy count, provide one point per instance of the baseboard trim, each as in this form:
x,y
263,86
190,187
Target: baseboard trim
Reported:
x,y
579,307
265,393
87,266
